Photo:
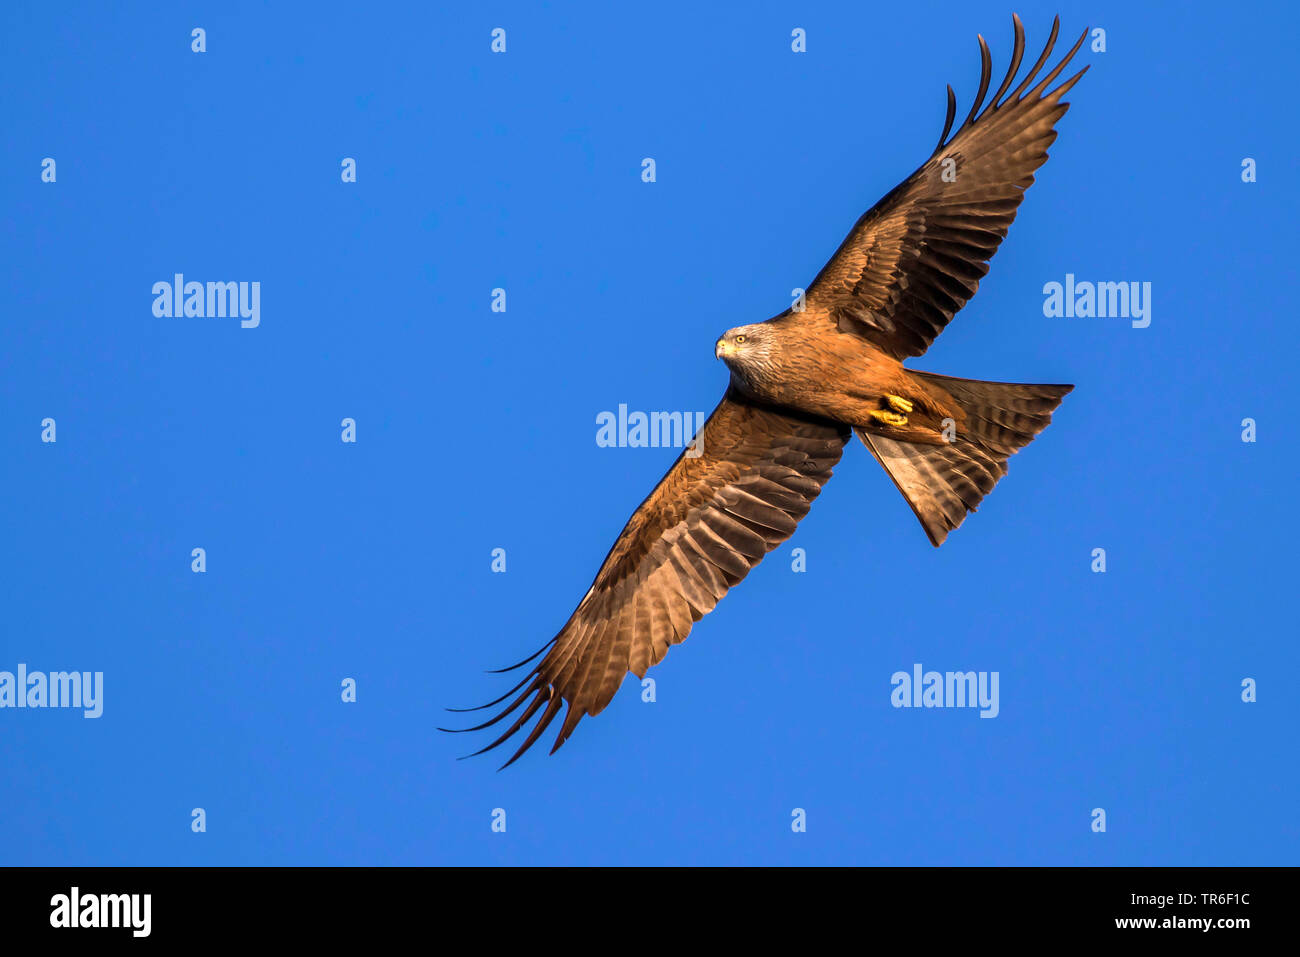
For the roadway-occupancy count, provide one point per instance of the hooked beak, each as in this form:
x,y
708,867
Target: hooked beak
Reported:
x,y
722,349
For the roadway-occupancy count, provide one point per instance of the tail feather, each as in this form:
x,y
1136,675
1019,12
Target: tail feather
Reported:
x,y
944,483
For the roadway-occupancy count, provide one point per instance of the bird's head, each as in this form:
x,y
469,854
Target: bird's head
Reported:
x,y
744,345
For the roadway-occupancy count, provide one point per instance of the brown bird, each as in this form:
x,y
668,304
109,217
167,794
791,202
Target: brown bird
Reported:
x,y
800,382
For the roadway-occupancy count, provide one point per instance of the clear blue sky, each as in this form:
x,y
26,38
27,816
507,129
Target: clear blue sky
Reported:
x,y
476,430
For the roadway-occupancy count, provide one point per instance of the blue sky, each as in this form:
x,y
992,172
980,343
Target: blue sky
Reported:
x,y
476,430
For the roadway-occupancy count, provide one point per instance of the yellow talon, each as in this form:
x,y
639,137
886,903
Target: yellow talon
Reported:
x,y
889,418
898,403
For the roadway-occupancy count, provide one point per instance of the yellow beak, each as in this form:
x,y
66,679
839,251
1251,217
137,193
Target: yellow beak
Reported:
x,y
723,348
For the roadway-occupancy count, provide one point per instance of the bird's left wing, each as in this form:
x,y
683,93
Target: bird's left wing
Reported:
x,y
917,256
709,521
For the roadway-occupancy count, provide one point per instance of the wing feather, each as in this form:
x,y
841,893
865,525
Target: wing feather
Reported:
x,y
917,257
709,521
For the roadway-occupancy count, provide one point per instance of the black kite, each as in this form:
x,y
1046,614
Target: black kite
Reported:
x,y
801,381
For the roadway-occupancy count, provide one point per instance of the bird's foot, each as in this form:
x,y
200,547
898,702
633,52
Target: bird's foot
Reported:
x,y
889,418
898,403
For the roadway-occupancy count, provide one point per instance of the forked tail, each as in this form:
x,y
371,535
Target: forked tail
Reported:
x,y
943,483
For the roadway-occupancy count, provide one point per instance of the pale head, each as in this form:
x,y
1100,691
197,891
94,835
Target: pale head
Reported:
x,y
744,344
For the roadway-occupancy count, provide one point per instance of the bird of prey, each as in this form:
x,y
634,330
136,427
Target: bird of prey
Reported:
x,y
802,383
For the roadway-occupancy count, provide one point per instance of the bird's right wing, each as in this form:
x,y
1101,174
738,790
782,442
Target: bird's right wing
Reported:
x,y
709,521
917,256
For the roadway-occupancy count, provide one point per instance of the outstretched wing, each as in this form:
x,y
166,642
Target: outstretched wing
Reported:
x,y
917,256
710,520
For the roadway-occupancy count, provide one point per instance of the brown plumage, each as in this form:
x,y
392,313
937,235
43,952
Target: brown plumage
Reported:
x,y
800,382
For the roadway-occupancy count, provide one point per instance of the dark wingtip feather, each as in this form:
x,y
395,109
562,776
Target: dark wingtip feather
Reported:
x,y
1042,58
501,671
554,703
986,74
528,712
1064,88
1017,53
1016,95
570,722
1047,80
541,692
947,123
495,701
508,710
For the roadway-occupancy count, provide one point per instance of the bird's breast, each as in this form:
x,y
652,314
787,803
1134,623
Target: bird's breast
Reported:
x,y
838,377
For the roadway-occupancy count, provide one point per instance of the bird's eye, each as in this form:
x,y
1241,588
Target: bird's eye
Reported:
x,y
739,339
